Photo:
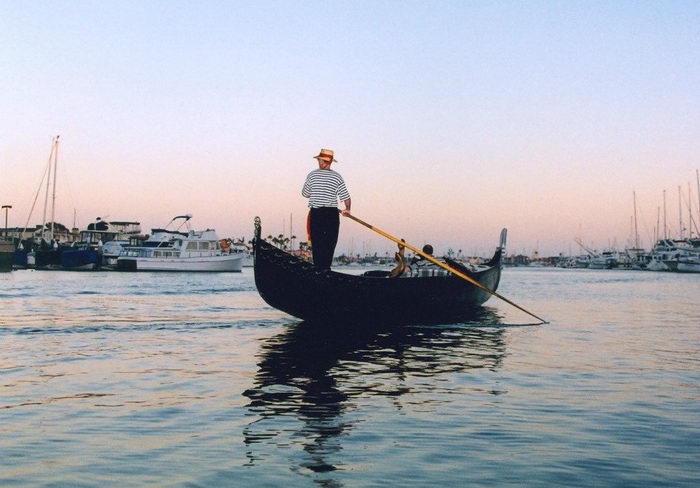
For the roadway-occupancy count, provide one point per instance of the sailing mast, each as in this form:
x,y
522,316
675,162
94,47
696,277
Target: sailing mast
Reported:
x,y
38,191
53,193
636,234
657,232
680,215
697,175
665,227
690,213
48,184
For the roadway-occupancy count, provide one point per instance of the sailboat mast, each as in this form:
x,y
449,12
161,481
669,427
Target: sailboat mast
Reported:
x,y
38,192
636,234
630,240
697,176
680,215
53,195
665,227
48,184
658,223
690,213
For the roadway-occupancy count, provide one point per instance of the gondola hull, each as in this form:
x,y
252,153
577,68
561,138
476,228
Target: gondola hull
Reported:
x,y
296,287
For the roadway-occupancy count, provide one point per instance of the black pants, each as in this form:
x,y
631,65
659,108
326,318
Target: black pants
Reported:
x,y
325,222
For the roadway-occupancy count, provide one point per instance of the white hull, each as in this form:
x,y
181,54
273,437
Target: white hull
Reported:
x,y
656,265
224,263
688,267
109,262
84,267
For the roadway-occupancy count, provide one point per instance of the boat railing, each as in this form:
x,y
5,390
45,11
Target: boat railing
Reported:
x,y
154,252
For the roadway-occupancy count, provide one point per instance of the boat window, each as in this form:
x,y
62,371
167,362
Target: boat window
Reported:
x,y
191,246
204,245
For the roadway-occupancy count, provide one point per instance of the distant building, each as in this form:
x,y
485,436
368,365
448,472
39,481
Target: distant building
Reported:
x,y
61,233
516,260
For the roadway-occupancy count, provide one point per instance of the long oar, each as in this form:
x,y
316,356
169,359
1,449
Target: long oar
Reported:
x,y
442,265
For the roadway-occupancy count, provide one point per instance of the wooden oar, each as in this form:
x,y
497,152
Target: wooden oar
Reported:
x,y
442,265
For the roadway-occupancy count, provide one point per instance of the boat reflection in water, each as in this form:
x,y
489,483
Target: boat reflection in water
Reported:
x,y
318,375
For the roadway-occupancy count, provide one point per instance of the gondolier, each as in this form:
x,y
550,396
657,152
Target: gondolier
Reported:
x,y
323,187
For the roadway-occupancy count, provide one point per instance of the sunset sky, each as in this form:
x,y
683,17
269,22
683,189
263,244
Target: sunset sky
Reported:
x,y
450,119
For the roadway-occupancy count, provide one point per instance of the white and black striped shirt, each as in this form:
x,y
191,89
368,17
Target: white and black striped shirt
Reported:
x,y
323,187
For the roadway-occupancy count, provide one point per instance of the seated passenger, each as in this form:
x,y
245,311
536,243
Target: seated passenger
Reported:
x,y
421,267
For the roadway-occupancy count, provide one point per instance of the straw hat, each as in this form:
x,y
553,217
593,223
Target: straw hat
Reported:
x,y
327,155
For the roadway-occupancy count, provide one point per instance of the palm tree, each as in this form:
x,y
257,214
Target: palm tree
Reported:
x,y
281,241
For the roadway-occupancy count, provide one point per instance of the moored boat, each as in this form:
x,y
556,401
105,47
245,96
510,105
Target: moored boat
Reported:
x,y
173,250
298,288
99,246
245,251
7,250
688,264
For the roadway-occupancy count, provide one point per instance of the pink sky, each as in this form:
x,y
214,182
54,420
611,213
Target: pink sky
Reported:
x,y
449,122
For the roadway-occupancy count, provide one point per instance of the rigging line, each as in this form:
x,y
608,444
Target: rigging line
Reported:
x,y
646,227
46,196
688,205
38,190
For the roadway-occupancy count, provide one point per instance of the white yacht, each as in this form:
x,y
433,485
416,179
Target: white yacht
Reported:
x,y
175,250
604,260
688,263
685,257
665,254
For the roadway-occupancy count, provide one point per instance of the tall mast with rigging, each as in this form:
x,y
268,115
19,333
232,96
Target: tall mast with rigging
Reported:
x,y
697,176
690,213
665,227
48,184
636,234
680,215
53,192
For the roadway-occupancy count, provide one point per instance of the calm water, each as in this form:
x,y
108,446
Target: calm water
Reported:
x,y
119,379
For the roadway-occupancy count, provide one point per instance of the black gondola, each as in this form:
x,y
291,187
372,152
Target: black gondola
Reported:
x,y
298,288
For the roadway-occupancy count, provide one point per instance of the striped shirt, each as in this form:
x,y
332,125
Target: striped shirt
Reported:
x,y
323,187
